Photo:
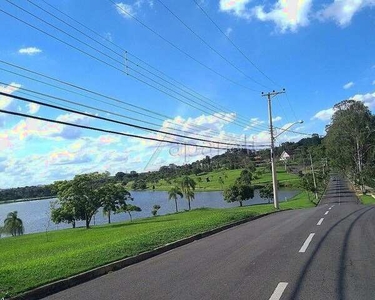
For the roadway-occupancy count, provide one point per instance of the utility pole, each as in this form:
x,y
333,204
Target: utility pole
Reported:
x,y
270,95
312,169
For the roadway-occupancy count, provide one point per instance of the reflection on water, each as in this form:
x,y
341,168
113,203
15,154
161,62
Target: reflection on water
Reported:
x,y
36,214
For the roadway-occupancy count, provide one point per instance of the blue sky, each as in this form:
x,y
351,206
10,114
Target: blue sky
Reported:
x,y
320,51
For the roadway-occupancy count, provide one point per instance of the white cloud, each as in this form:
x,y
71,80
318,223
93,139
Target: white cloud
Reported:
x,y
287,15
237,8
348,85
253,123
324,115
276,119
33,108
228,31
342,11
9,89
373,83
29,51
126,10
368,99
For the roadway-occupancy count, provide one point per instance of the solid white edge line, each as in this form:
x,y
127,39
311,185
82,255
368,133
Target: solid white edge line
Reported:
x,y
326,213
306,243
320,222
279,291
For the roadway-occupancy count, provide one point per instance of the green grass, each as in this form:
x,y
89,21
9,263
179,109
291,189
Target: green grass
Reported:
x,y
285,179
367,199
32,260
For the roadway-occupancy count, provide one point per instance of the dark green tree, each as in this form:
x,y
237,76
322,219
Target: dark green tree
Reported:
x,y
13,225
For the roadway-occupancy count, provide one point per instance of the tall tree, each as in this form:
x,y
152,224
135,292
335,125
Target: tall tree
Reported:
x,y
266,192
350,138
13,225
238,193
113,196
187,187
173,194
84,193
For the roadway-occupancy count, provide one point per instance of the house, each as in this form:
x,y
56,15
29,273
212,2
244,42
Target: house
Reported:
x,y
285,156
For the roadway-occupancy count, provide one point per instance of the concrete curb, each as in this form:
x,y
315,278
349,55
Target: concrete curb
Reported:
x,y
63,284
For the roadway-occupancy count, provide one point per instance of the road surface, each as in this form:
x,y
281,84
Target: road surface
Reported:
x,y
323,253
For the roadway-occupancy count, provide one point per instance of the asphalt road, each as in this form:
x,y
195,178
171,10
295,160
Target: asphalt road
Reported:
x,y
281,256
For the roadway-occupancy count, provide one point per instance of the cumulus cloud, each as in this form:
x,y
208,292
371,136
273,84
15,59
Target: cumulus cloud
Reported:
x,y
348,85
125,10
276,119
324,115
237,8
286,14
33,108
368,99
29,51
253,123
9,89
228,31
128,10
342,11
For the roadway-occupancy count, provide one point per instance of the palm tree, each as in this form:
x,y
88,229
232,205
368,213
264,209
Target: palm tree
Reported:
x,y
13,225
173,193
189,196
187,188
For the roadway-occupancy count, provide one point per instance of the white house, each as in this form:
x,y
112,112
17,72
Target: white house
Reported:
x,y
284,156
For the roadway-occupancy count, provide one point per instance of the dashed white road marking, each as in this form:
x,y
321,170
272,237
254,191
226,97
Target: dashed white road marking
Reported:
x,y
320,222
279,291
306,243
326,213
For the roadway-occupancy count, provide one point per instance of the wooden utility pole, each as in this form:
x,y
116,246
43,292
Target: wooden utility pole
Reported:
x,y
273,158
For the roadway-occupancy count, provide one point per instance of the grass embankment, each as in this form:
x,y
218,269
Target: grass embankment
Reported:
x,y
229,176
367,199
32,260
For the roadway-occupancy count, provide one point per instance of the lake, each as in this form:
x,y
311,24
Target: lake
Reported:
x,y
36,214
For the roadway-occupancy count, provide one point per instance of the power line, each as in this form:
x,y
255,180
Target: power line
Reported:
x,y
100,95
108,119
100,60
209,46
125,51
178,48
233,44
106,130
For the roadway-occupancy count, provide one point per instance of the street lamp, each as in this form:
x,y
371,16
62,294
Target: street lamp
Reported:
x,y
273,160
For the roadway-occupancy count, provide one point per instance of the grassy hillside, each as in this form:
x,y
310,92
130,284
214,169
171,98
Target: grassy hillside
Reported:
x,y
229,176
32,260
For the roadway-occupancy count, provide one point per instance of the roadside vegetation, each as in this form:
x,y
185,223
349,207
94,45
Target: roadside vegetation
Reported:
x,y
367,199
32,260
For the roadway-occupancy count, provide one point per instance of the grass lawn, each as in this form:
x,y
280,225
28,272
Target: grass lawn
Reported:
x,y
32,260
285,179
367,199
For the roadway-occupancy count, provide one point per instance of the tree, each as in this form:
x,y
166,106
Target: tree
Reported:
x,y
350,139
84,194
238,192
221,182
155,209
139,184
64,213
173,194
113,195
266,192
13,225
245,177
129,208
187,187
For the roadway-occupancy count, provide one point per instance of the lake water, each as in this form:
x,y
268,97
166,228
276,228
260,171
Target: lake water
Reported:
x,y
36,214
